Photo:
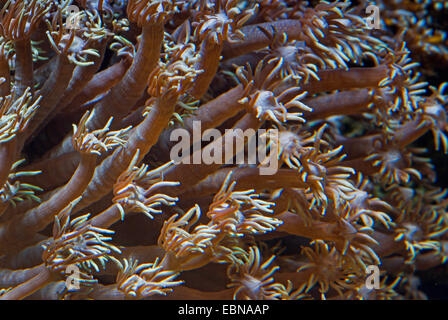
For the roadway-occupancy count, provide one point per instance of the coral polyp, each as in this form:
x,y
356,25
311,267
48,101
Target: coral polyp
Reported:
x,y
95,95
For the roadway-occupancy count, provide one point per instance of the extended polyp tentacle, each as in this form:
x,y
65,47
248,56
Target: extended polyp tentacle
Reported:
x,y
330,30
216,25
18,230
167,84
54,171
151,16
19,19
145,280
96,87
97,36
5,74
388,156
100,83
131,194
15,116
255,38
74,243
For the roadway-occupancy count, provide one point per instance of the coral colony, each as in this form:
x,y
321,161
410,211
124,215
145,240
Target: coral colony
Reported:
x,y
128,164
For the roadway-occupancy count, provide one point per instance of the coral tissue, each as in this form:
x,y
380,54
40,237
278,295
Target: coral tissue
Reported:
x,y
92,205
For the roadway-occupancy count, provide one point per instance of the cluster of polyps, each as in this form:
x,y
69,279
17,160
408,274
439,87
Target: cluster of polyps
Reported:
x,y
337,107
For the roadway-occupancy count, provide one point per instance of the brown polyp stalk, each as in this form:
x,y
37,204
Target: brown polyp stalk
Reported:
x,y
81,77
49,292
359,146
8,151
215,112
55,171
256,39
210,115
26,205
209,56
423,262
340,79
126,92
5,86
107,218
410,132
100,83
28,257
294,224
24,66
51,94
42,73
348,107
28,287
129,88
185,293
340,103
16,232
402,138
190,174
107,292
246,178
143,137
13,278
